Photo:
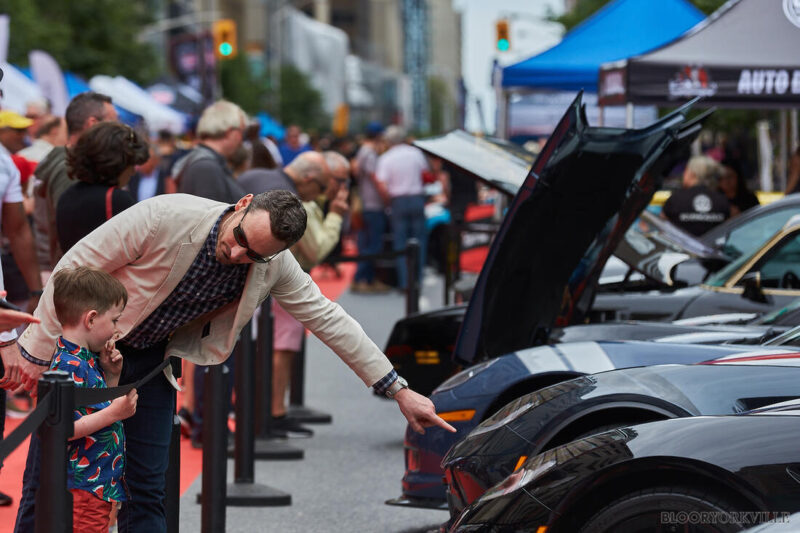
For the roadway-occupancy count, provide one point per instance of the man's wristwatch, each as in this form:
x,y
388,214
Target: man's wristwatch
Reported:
x,y
398,385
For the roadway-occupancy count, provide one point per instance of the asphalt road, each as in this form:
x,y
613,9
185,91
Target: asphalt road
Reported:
x,y
351,466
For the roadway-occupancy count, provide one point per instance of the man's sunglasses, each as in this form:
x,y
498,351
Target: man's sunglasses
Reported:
x,y
241,240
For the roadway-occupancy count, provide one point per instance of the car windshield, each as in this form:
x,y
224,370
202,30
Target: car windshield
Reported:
x,y
748,237
779,267
721,277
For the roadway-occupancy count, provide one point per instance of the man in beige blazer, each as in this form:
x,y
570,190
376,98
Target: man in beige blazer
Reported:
x,y
195,271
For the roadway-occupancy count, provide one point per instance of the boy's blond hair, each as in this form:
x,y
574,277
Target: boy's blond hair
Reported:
x,y
80,289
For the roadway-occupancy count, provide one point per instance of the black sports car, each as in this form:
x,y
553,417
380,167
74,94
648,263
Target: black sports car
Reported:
x,y
761,279
566,411
583,192
700,474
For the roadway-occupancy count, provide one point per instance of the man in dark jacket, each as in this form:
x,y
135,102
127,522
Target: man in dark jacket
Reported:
x,y
204,171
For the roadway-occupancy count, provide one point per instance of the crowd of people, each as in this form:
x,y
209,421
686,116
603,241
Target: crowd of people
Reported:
x,y
118,273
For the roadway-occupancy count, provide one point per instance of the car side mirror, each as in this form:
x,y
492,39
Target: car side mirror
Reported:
x,y
751,284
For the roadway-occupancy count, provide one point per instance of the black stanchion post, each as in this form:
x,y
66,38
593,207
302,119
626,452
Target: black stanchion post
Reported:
x,y
412,281
244,491
53,500
263,366
297,408
451,258
215,461
172,502
297,385
267,448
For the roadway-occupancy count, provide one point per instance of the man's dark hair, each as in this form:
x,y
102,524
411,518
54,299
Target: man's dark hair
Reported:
x,y
287,216
104,151
83,106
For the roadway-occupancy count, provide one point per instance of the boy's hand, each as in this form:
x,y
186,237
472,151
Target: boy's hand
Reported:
x,y
111,359
124,406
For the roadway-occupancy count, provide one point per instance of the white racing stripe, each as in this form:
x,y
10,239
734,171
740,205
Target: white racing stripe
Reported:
x,y
542,359
585,357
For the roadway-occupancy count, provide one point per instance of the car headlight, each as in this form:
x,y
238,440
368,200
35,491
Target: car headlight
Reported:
x,y
464,376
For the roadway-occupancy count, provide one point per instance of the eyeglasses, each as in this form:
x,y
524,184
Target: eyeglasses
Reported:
x,y
241,240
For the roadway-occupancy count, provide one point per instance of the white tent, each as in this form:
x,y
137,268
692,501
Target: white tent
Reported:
x,y
18,89
130,96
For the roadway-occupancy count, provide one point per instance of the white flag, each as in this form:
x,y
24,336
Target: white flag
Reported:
x,y
48,76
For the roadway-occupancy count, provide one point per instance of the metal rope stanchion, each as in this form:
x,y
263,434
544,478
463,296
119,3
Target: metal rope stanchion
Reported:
x,y
172,504
54,433
297,409
215,461
412,281
244,491
267,447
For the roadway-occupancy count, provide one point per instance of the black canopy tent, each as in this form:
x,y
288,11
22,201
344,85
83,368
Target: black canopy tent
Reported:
x,y
743,55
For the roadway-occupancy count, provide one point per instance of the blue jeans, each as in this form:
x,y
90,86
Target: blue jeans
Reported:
x,y
370,241
408,221
147,435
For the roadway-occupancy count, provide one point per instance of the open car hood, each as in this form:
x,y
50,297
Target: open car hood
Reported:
x,y
498,163
582,193
654,246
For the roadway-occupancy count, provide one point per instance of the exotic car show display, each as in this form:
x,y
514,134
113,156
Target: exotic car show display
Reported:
x,y
561,376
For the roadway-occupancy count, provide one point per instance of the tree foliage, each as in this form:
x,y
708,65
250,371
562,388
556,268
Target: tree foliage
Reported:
x,y
586,8
87,37
300,103
242,85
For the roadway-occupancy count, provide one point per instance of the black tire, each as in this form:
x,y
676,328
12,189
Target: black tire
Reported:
x,y
643,512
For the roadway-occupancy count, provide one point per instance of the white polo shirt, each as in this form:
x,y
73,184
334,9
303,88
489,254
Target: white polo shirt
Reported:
x,y
400,168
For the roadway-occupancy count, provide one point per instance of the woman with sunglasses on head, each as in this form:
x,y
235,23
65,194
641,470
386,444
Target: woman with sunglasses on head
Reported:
x,y
102,161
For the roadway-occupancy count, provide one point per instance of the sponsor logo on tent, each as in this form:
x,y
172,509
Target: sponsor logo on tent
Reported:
x,y
691,81
791,8
768,81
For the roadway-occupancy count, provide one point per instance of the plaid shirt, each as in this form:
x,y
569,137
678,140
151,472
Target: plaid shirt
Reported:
x,y
385,382
206,286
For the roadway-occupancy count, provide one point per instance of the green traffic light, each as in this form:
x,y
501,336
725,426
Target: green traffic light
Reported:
x,y
503,45
225,49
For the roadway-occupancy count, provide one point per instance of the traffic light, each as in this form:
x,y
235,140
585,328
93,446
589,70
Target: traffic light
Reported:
x,y
503,41
224,32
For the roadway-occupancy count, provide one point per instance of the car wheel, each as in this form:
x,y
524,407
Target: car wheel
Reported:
x,y
666,509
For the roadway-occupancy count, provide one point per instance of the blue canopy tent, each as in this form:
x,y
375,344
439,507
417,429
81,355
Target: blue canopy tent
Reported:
x,y
620,29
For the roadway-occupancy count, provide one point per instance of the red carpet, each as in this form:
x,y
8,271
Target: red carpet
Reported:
x,y
191,459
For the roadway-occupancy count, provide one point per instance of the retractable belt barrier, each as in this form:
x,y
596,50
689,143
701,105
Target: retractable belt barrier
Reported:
x,y
55,407
82,397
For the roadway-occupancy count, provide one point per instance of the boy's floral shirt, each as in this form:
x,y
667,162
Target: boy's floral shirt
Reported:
x,y
96,462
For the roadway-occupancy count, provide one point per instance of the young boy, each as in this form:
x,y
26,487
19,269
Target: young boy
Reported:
x,y
88,302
